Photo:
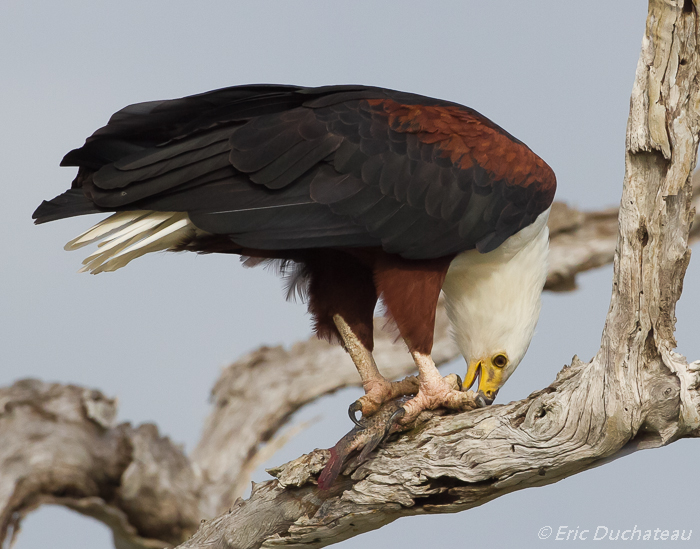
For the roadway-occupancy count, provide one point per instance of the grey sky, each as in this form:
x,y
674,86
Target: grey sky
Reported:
x,y
556,74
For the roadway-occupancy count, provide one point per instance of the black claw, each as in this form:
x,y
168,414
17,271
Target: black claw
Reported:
x,y
395,418
353,409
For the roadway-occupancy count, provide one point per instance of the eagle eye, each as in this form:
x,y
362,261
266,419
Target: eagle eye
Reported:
x,y
500,360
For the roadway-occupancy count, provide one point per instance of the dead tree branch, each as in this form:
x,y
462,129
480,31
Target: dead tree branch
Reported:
x,y
60,444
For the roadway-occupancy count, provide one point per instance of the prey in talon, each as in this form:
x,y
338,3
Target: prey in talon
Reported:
x,y
367,434
372,430
357,194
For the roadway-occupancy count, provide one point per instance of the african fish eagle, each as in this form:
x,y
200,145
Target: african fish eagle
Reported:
x,y
359,193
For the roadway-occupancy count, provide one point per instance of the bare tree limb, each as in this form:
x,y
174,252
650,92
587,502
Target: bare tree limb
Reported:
x,y
60,444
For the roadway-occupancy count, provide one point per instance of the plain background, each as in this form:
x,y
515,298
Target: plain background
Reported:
x,y
557,75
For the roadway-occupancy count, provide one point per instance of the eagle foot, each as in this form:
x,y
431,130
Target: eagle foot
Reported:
x,y
393,415
440,393
379,392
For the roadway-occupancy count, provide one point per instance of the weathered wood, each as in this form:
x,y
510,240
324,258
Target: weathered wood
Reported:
x,y
60,444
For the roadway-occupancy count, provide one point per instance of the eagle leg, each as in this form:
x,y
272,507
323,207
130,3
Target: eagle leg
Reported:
x,y
436,391
378,389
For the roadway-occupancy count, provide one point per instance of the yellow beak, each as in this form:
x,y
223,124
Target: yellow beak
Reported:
x,y
490,378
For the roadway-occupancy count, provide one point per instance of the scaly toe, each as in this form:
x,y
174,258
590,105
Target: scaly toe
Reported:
x,y
444,395
454,381
379,392
462,401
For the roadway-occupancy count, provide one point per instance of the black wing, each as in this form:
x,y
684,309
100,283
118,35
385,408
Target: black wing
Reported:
x,y
282,167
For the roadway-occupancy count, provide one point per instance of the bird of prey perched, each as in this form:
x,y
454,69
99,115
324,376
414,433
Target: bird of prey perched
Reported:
x,y
359,194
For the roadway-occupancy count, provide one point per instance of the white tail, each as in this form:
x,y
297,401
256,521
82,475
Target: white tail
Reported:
x,y
127,235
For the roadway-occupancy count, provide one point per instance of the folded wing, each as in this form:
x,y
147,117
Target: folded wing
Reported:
x,y
282,167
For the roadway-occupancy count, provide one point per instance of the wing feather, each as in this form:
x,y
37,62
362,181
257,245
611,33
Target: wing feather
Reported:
x,y
284,167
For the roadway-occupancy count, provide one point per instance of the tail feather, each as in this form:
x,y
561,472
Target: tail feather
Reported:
x,y
127,235
97,261
159,239
138,227
104,228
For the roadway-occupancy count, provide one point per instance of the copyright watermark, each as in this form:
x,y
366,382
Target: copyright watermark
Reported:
x,y
600,533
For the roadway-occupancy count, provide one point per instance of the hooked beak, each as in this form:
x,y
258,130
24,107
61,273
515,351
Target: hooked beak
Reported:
x,y
490,380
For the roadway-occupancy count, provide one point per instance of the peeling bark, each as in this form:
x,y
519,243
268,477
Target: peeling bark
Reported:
x,y
60,444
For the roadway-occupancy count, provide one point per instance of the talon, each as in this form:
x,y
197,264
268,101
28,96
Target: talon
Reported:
x,y
353,409
482,400
395,418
